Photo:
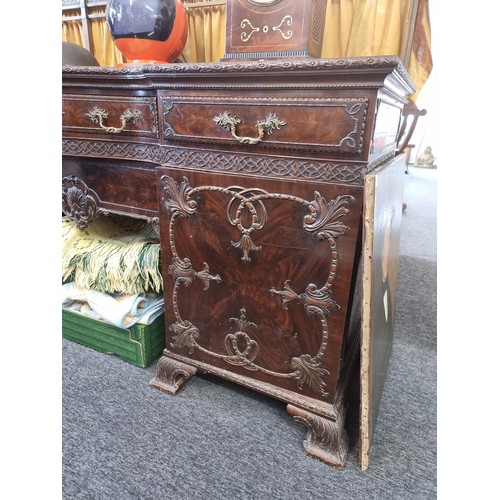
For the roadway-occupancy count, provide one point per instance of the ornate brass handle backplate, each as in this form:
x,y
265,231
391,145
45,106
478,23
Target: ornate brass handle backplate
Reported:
x,y
98,115
271,122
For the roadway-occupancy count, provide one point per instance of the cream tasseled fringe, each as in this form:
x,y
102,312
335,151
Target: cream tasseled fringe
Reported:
x,y
114,254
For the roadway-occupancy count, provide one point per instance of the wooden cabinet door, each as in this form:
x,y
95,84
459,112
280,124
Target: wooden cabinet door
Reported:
x,y
257,276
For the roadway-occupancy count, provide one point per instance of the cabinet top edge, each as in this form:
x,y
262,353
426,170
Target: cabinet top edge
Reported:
x,y
147,74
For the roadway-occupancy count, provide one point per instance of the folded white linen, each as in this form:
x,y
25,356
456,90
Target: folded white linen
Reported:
x,y
117,309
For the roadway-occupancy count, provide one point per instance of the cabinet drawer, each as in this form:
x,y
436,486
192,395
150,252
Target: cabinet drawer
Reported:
x,y
316,124
110,115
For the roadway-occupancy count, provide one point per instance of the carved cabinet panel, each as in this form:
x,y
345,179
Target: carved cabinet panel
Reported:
x,y
257,276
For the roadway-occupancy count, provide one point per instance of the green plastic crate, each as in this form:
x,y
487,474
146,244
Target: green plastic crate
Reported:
x,y
139,344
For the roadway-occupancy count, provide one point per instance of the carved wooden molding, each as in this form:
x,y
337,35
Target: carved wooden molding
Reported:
x,y
322,408
380,160
272,65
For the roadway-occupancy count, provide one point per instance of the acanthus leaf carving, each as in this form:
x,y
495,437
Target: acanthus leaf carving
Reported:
x,y
176,198
309,371
287,294
325,221
318,301
183,272
185,334
246,245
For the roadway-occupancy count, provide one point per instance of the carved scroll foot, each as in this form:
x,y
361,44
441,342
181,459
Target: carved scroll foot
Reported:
x,y
326,439
171,375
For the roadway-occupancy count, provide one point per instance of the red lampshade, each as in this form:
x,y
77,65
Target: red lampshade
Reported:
x,y
148,30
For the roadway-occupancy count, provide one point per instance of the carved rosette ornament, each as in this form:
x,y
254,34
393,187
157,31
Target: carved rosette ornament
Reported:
x,y
79,202
323,221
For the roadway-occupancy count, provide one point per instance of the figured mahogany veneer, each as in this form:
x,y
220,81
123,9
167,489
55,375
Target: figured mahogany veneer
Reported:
x,y
253,174
111,115
300,122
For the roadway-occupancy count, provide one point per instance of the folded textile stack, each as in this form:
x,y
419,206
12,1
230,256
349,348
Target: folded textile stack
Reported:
x,y
111,271
116,309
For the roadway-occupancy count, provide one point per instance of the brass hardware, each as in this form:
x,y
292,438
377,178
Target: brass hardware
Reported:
x,y
271,122
97,115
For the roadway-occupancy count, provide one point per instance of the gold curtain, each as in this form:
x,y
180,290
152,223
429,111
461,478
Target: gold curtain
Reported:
x,y
353,28
101,43
364,27
206,41
420,64
378,27
72,31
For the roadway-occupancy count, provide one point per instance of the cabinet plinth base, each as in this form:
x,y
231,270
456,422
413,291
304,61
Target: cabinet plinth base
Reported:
x,y
326,440
171,375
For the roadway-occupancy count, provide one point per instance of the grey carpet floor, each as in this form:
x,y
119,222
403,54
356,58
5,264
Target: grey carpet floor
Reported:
x,y
218,441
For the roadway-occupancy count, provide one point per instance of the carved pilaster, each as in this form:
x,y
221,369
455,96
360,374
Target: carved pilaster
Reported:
x,y
171,375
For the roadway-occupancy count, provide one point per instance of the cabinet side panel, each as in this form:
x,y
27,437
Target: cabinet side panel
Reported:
x,y
382,221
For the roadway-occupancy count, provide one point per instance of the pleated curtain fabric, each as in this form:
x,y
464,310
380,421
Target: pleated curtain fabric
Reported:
x,y
353,28
101,43
72,31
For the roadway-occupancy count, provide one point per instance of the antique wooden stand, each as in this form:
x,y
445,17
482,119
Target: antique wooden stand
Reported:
x,y
255,175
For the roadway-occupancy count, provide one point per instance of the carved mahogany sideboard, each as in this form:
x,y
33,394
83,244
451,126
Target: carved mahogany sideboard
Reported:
x,y
254,175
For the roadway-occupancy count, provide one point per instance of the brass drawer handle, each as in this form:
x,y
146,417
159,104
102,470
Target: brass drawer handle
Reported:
x,y
271,122
97,115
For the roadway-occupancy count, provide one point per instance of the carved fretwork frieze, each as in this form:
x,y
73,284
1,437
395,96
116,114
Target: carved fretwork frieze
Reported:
x,y
295,168
323,220
79,202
